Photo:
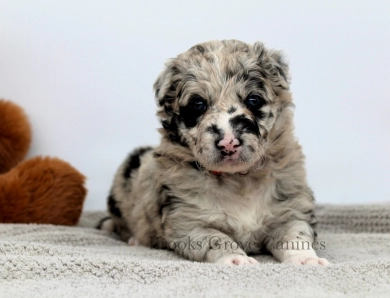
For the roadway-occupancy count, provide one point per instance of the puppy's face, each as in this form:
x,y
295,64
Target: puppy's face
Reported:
x,y
220,100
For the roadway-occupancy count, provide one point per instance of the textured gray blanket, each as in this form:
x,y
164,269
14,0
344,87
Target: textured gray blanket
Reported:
x,y
56,261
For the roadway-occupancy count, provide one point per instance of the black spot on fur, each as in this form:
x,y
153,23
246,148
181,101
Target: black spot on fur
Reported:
x,y
192,111
164,187
243,74
177,140
172,87
257,113
170,94
232,109
198,48
172,130
134,161
174,70
281,72
255,82
189,118
194,165
179,92
168,125
242,124
169,204
112,206
168,109
230,73
214,130
166,99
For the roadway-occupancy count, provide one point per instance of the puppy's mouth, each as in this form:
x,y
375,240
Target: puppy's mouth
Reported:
x,y
234,160
230,160
228,164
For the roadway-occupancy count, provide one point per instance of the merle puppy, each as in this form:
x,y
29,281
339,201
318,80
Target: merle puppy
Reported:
x,y
228,178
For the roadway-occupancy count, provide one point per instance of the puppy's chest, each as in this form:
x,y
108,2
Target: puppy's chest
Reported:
x,y
241,210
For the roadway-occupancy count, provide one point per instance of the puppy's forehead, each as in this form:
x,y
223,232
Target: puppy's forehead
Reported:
x,y
213,71
207,60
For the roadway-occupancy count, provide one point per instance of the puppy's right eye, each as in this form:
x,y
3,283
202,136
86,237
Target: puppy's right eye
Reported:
x,y
195,108
197,104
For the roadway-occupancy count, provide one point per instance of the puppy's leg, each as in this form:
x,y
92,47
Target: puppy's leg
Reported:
x,y
118,226
133,241
115,222
293,243
208,245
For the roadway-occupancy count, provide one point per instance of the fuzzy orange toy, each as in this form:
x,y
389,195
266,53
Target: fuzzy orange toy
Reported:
x,y
38,190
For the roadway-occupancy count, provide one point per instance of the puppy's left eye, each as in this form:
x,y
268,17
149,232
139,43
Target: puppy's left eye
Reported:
x,y
197,104
254,101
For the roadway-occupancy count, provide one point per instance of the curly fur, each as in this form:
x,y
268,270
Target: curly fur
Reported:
x,y
15,135
192,190
38,190
42,190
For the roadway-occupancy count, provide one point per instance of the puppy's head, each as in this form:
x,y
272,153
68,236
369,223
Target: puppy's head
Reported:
x,y
221,100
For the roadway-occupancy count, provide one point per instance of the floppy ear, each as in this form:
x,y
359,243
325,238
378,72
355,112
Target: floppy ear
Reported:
x,y
274,63
281,66
165,88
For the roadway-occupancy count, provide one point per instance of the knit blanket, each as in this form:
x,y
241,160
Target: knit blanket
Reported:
x,y
57,261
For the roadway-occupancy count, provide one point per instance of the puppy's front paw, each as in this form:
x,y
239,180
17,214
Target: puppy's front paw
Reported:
x,y
133,242
234,259
306,260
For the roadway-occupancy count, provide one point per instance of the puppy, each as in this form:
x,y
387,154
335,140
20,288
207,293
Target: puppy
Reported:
x,y
228,178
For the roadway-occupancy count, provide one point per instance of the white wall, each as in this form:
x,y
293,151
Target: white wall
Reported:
x,y
83,71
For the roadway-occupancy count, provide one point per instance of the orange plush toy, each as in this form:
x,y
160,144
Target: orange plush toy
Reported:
x,y
38,190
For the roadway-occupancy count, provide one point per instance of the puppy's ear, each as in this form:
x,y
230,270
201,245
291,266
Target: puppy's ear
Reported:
x,y
166,84
274,64
166,92
281,66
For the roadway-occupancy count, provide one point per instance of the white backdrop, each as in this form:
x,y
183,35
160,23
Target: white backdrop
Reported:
x,y
83,71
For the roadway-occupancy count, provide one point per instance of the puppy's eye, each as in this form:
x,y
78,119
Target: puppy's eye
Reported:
x,y
254,101
191,113
197,104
